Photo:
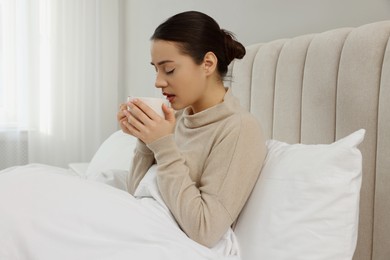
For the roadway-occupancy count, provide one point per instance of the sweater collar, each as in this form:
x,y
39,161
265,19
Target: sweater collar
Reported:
x,y
226,108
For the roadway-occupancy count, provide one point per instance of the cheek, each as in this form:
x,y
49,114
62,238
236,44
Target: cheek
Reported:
x,y
190,84
195,77
187,91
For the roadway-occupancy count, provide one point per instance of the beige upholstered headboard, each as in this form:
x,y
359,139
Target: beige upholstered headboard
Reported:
x,y
317,88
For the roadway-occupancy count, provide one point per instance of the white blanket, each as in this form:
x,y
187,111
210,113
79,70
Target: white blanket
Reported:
x,y
47,214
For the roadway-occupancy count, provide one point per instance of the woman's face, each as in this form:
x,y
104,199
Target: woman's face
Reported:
x,y
180,79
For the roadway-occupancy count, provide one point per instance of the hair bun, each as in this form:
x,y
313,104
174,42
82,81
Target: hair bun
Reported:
x,y
233,48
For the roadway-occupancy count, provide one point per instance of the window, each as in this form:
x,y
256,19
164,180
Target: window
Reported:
x,y
7,65
2,94
13,62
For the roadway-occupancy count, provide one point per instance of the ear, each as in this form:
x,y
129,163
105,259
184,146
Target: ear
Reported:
x,y
210,62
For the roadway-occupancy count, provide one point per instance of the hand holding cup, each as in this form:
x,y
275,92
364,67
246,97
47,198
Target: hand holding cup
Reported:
x,y
148,118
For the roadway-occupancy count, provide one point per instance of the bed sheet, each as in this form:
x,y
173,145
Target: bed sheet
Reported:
x,y
48,213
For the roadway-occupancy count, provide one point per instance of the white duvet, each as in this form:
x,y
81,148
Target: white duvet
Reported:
x,y
45,213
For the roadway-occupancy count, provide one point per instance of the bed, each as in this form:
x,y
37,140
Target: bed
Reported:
x,y
318,88
323,101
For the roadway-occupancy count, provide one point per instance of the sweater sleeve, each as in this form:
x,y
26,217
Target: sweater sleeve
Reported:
x,y
142,160
206,210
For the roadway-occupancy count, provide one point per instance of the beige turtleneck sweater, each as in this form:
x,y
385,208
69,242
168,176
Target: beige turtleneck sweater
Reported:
x,y
207,169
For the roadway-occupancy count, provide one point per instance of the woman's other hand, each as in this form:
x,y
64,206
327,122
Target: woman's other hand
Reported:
x,y
122,117
144,123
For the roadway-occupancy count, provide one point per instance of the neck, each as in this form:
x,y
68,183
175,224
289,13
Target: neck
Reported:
x,y
212,96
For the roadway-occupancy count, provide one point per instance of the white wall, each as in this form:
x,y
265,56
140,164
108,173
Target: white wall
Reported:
x,y
251,20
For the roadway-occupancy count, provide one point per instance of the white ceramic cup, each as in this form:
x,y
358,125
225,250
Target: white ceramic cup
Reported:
x,y
154,103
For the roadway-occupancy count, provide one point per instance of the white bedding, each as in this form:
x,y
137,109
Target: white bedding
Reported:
x,y
45,213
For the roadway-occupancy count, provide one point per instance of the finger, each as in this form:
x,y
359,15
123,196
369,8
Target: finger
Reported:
x,y
130,128
122,106
134,121
142,115
123,127
169,113
147,110
120,115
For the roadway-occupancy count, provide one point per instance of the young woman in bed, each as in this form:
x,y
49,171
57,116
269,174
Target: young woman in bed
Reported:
x,y
208,149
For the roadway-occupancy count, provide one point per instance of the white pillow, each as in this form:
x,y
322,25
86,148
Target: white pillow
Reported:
x,y
115,155
305,204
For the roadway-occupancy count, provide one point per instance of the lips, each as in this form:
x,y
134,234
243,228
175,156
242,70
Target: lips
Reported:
x,y
169,97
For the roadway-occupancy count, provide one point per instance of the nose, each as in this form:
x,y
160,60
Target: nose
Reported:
x,y
160,81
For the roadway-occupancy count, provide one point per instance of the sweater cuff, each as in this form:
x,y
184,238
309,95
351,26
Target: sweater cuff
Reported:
x,y
165,146
142,147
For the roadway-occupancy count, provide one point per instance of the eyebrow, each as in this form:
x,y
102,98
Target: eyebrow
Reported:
x,y
161,62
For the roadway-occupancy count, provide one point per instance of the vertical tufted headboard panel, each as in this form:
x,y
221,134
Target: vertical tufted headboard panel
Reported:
x,y
320,87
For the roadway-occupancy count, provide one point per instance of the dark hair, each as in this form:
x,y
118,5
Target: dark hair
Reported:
x,y
197,34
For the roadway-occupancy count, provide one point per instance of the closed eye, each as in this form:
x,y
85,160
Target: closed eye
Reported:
x,y
170,72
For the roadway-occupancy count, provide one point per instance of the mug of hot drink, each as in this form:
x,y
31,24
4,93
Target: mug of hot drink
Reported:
x,y
152,102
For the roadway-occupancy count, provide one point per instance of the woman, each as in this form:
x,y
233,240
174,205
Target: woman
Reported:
x,y
209,152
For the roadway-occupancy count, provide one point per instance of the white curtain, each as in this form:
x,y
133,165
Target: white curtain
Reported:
x,y
72,69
